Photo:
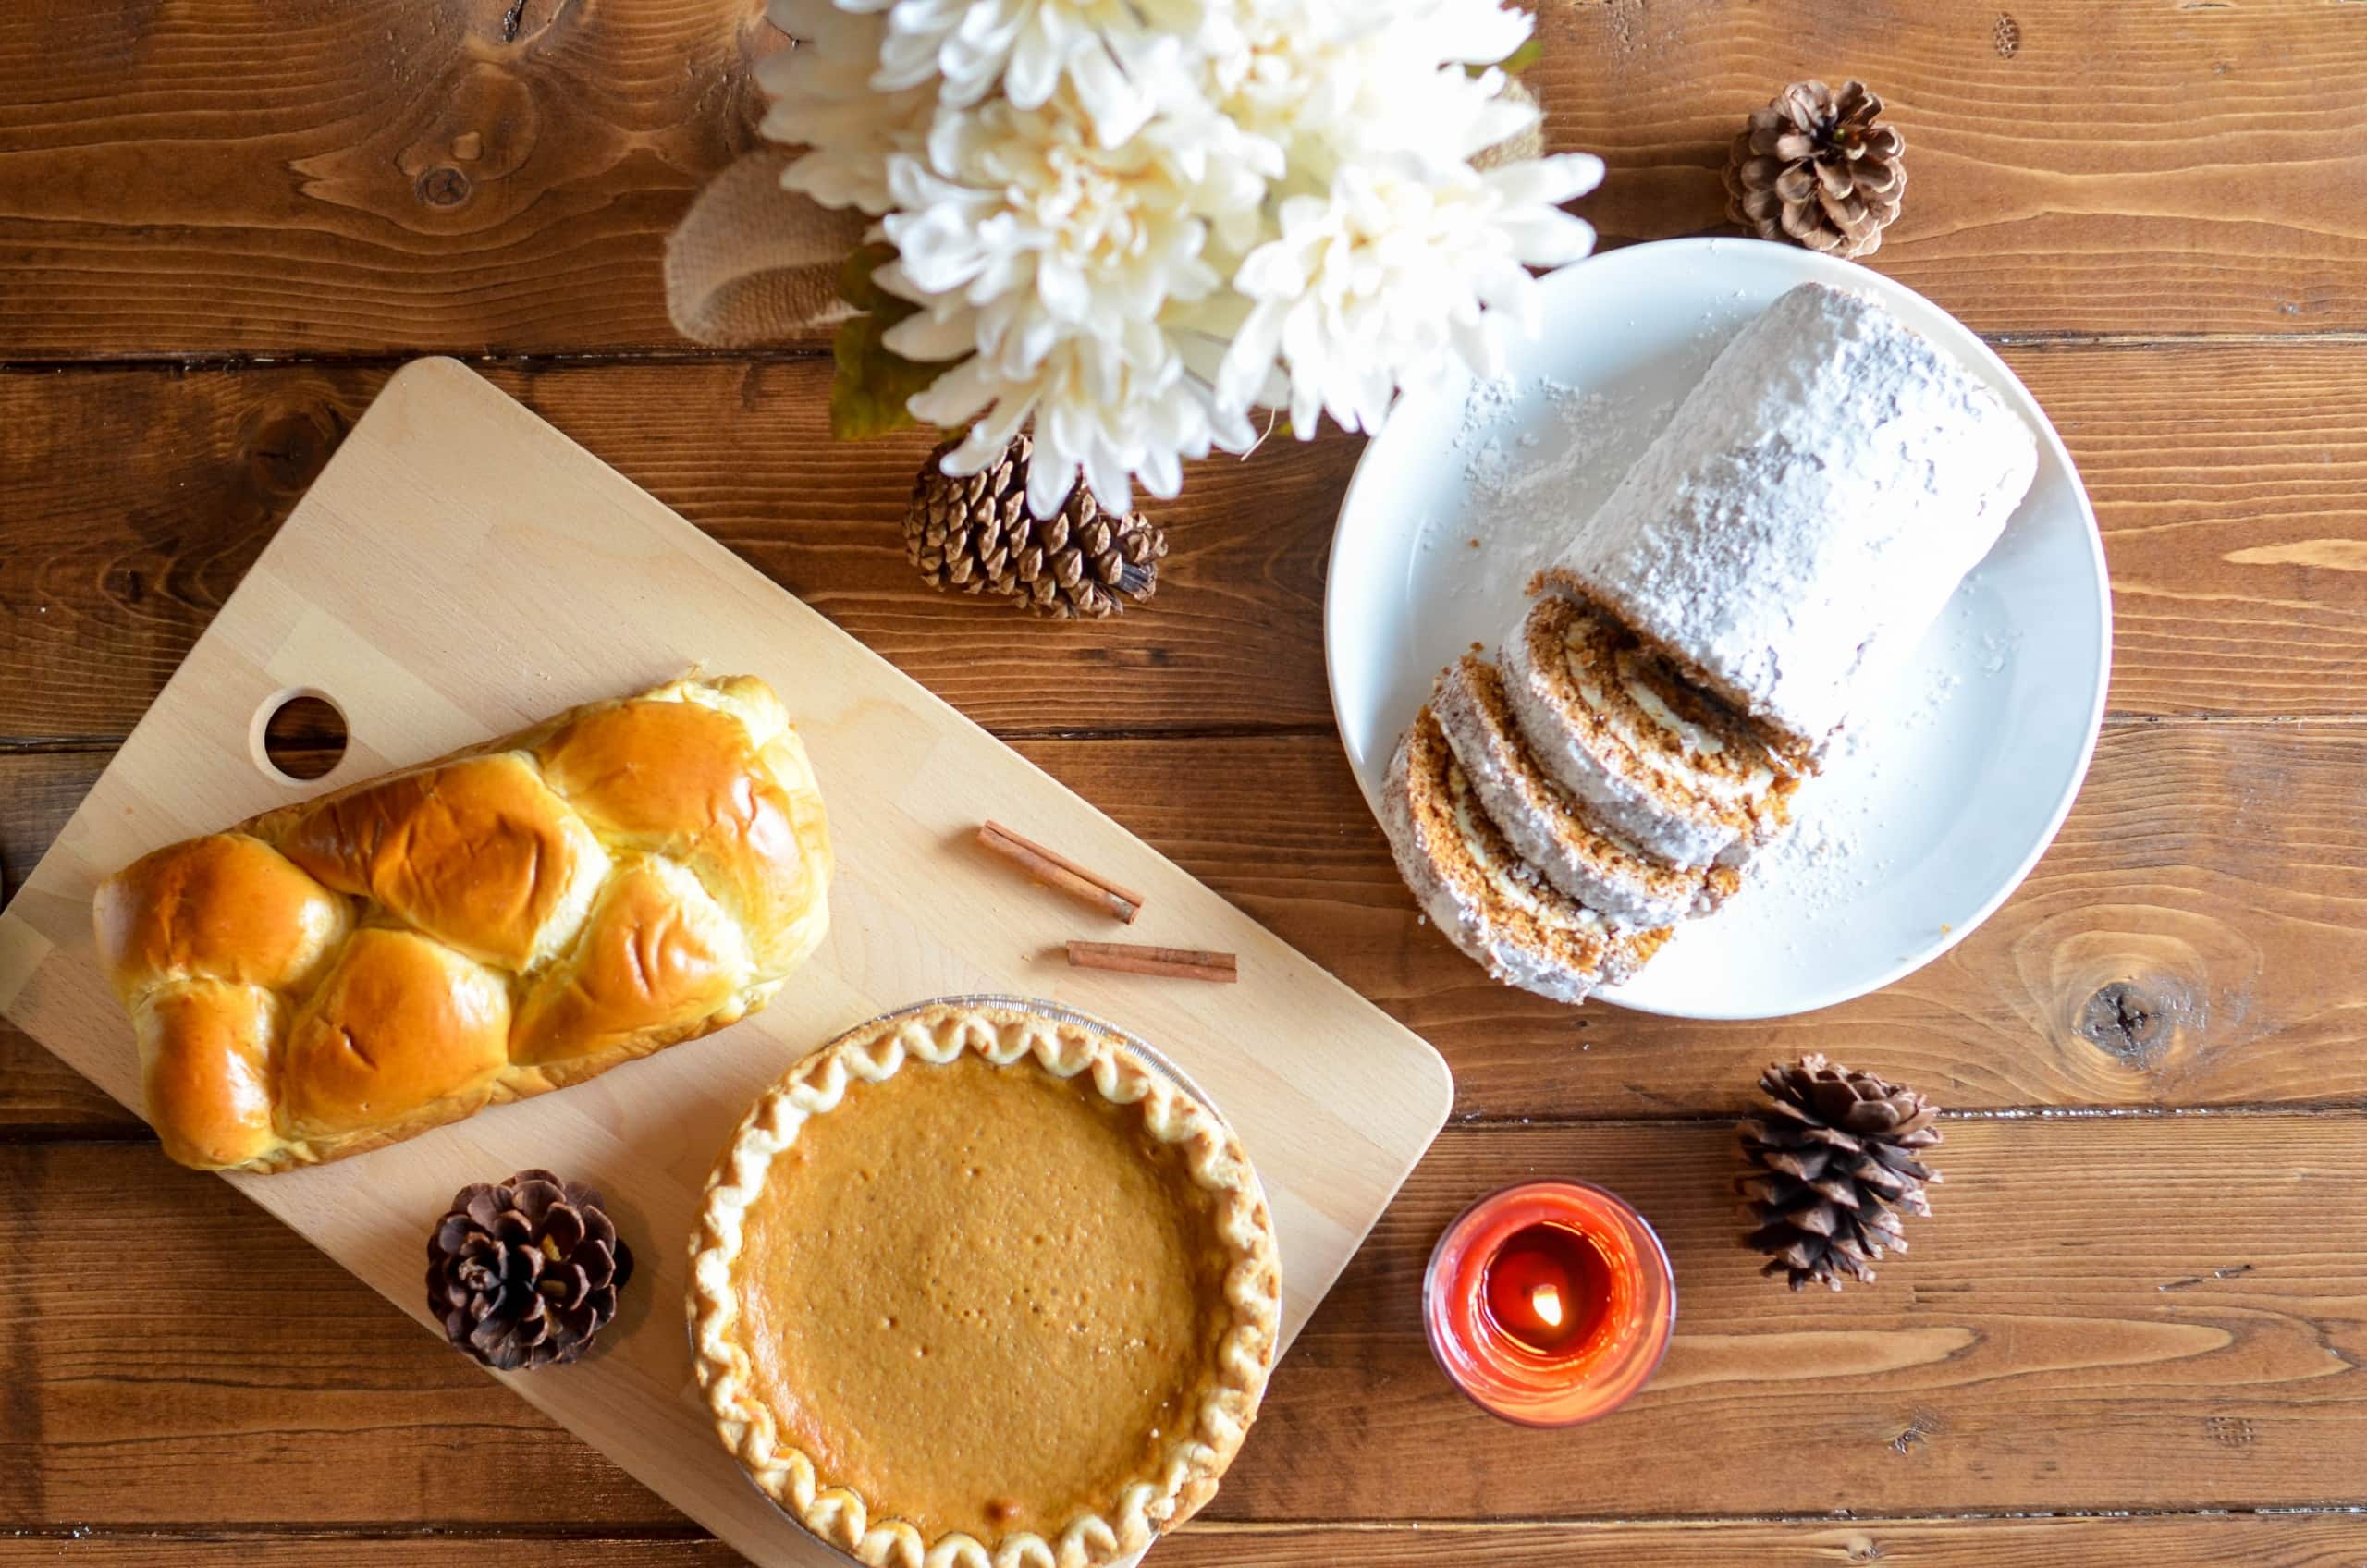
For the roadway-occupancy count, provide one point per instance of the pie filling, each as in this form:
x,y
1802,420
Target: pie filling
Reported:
x,y
984,1298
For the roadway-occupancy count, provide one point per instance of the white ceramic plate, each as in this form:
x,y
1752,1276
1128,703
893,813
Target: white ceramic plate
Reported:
x,y
1950,782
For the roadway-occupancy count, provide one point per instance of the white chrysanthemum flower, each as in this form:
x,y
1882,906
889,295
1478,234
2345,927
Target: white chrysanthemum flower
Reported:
x,y
1109,52
822,97
1461,32
1067,272
1398,265
1331,78
1127,222
1104,409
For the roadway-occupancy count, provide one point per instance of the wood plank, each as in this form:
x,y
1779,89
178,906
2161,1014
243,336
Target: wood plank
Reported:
x,y
2289,1541
2193,938
2232,514
236,176
2071,166
2305,1540
38,1093
460,569
137,498
259,176
2090,1319
2105,1313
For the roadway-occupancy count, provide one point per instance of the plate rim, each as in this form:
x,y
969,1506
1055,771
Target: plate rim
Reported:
x,y
1964,343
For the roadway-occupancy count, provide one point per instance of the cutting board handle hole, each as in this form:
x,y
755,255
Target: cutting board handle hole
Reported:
x,y
298,735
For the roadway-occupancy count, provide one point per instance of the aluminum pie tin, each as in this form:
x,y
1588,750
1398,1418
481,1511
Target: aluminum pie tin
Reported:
x,y
1152,1058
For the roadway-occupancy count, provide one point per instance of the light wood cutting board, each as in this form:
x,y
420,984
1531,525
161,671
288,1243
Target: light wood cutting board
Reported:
x,y
459,569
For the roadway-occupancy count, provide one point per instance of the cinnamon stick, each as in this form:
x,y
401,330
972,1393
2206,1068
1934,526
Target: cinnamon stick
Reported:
x,y
1056,870
1175,963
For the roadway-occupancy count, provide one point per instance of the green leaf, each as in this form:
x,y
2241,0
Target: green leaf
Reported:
x,y
855,285
1517,61
874,383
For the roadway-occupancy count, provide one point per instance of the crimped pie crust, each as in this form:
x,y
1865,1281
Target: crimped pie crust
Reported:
x,y
1223,1403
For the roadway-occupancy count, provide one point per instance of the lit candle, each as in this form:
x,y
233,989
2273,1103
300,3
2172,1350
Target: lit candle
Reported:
x,y
1548,1302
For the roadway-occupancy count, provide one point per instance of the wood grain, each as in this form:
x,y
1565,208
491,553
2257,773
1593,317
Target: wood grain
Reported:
x,y
232,176
2193,938
137,498
115,573
2106,1314
459,569
2103,1314
2148,168
2306,1540
2230,506
39,1094
270,175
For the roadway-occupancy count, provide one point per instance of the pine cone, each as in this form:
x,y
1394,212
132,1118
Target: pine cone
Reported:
x,y
977,535
526,1273
1814,168
1836,1168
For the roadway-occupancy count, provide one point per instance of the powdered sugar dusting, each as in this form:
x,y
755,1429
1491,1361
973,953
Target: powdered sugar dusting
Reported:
x,y
1537,456
1520,492
1825,488
1825,865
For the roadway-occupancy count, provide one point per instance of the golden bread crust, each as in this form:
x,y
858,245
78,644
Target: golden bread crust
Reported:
x,y
400,1022
776,1448
226,907
479,854
208,1073
354,970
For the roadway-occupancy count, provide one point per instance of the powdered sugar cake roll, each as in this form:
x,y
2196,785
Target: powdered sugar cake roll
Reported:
x,y
1485,898
1549,827
1808,511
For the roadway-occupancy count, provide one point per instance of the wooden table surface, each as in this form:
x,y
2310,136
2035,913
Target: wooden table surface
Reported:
x,y
2131,1335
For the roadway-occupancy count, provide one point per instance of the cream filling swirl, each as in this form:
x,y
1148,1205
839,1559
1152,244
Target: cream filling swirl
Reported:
x,y
1508,879
1646,726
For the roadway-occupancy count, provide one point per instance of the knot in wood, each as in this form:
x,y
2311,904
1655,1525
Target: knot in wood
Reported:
x,y
2122,1021
443,185
519,21
287,453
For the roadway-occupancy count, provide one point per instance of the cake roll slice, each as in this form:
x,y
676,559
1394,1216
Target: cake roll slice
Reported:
x,y
1545,824
1651,759
1806,512
1491,903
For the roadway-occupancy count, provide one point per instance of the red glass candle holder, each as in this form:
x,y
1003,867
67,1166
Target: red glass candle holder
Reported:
x,y
1548,1302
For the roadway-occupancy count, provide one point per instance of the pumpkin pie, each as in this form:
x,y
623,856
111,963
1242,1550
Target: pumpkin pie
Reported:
x,y
978,1285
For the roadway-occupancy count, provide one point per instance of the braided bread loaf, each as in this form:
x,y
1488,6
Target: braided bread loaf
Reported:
x,y
351,971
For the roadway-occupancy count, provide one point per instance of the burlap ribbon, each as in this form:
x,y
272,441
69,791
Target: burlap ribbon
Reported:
x,y
754,263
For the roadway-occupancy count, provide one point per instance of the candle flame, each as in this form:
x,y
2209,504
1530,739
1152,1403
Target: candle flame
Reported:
x,y
1547,1299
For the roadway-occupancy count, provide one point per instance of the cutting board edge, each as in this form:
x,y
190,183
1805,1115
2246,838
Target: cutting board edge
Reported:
x,y
1425,1086
384,407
